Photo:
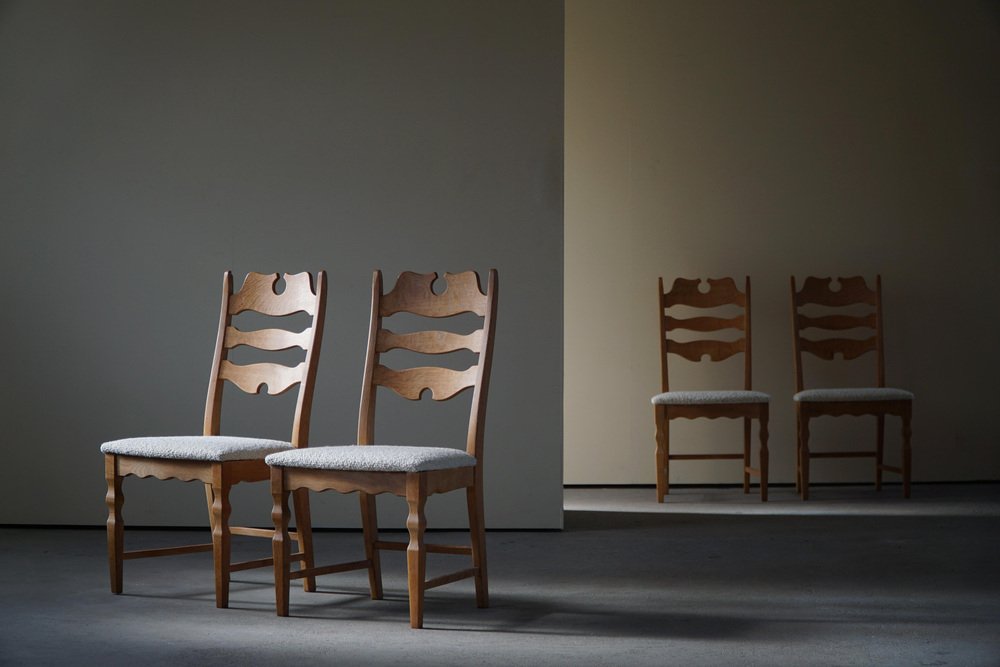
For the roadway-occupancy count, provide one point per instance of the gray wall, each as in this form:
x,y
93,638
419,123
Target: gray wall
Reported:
x,y
723,137
147,147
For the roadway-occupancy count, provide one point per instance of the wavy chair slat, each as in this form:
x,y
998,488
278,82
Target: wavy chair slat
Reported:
x,y
429,342
717,350
413,294
852,290
251,377
721,292
705,323
258,295
838,322
268,339
410,383
828,348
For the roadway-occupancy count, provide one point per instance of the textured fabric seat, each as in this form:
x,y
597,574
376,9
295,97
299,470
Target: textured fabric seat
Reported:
x,y
710,397
373,458
196,447
853,394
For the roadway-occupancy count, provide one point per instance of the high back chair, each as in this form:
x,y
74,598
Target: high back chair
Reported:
x,y
853,293
222,461
743,403
413,473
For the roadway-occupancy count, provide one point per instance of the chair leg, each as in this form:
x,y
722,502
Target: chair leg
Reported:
x,y
746,455
906,451
369,523
303,529
221,540
798,449
116,527
416,551
879,449
280,542
804,455
209,501
764,455
662,452
477,535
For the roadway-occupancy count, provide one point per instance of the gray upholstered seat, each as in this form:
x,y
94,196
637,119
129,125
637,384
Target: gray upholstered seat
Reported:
x,y
373,458
196,447
853,394
710,397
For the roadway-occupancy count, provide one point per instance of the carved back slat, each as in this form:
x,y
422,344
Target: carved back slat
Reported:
x,y
852,294
722,292
429,342
413,294
258,294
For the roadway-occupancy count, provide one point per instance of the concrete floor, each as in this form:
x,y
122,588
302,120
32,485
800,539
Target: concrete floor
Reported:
x,y
711,578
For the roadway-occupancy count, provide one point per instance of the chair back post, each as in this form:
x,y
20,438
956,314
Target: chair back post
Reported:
x,y
366,413
796,346
477,416
664,377
747,367
213,404
303,405
879,344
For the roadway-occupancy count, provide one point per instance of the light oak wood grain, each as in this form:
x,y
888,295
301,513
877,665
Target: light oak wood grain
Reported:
x,y
258,294
429,342
251,377
413,294
410,383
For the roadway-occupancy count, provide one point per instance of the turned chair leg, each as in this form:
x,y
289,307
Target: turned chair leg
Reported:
x,y
662,452
116,527
280,543
416,551
221,539
369,524
763,453
477,535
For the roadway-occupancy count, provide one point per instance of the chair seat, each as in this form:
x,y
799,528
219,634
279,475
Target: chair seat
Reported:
x,y
736,396
196,447
373,458
853,394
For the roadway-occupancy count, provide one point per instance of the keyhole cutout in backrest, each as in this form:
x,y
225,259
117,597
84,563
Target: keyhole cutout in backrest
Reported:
x,y
279,285
704,287
835,285
439,286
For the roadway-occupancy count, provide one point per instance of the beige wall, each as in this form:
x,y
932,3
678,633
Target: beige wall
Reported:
x,y
778,138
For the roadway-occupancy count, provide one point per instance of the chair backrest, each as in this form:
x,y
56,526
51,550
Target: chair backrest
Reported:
x,y
853,294
413,294
721,292
258,294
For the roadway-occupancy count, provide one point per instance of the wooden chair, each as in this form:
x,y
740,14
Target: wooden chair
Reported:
x,y
413,473
218,461
878,400
734,404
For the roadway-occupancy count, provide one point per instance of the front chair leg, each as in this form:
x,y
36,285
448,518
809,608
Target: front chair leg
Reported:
x,y
416,551
662,452
303,530
907,456
221,539
804,455
764,455
280,542
746,454
116,527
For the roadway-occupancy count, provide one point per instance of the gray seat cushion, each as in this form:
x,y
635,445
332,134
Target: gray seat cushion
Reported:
x,y
853,394
373,458
196,447
737,396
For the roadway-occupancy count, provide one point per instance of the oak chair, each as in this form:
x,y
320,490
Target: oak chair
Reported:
x,y
744,404
222,461
853,294
413,473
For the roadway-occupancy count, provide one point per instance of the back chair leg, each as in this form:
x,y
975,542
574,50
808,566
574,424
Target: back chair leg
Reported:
x,y
116,527
879,450
763,453
662,452
221,539
416,551
369,523
477,536
280,542
746,454
303,529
